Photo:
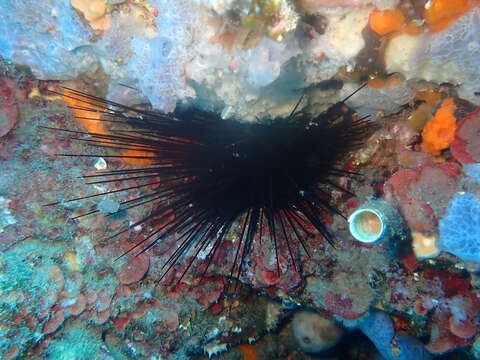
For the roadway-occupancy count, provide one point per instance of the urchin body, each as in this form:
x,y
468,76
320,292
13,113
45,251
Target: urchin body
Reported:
x,y
219,174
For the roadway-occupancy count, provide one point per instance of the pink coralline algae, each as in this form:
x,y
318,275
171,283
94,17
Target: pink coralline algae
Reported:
x,y
134,269
103,301
454,323
130,268
53,276
450,307
208,291
266,273
466,144
121,323
348,296
79,306
423,193
8,108
342,306
54,322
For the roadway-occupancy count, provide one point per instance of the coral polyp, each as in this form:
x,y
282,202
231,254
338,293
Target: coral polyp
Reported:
x,y
221,178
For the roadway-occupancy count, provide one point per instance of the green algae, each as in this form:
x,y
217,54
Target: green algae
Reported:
x,y
19,266
77,342
21,287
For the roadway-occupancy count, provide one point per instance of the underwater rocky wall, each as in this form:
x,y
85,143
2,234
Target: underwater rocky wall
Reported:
x,y
411,293
249,57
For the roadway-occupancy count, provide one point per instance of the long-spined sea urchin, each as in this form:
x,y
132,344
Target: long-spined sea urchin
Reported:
x,y
219,174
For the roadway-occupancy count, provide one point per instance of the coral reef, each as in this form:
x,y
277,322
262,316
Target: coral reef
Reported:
x,y
64,291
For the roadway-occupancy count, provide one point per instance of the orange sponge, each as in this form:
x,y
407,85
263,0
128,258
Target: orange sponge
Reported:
x,y
249,352
387,21
90,120
390,82
439,132
441,13
138,161
413,29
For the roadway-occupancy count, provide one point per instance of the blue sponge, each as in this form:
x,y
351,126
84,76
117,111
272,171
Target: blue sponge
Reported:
x,y
48,36
378,327
460,228
472,170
